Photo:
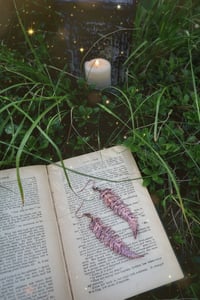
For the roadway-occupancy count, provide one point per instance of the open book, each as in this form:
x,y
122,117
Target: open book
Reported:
x,y
48,251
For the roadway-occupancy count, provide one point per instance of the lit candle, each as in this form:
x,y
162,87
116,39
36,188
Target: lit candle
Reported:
x,y
98,72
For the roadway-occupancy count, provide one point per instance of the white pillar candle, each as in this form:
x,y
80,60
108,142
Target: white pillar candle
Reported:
x,y
98,72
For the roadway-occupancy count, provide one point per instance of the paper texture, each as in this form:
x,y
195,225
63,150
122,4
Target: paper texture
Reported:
x,y
95,271
31,261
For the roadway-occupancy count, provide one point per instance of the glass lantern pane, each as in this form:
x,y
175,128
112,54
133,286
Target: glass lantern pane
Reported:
x,y
97,29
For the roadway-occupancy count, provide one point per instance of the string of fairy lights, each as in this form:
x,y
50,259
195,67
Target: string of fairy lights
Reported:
x,y
30,16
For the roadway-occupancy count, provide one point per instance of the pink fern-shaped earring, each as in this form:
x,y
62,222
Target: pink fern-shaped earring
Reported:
x,y
108,236
115,203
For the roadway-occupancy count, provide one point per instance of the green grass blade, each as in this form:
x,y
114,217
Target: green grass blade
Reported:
x,y
25,139
155,134
197,101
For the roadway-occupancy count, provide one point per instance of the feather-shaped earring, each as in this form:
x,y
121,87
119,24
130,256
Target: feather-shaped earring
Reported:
x,y
119,207
110,238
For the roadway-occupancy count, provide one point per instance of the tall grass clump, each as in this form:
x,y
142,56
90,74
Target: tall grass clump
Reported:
x,y
162,127
45,115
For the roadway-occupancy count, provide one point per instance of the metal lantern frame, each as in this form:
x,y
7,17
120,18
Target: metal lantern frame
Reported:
x,y
97,29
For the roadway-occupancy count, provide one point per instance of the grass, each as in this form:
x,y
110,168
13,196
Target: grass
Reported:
x,y
45,116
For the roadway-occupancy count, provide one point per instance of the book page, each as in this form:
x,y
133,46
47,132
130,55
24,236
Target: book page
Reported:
x,y
96,272
31,260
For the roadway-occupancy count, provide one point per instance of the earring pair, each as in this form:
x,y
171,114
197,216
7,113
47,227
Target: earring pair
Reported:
x,y
105,233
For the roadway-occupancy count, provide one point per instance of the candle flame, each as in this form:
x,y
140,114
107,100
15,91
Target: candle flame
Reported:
x,y
96,62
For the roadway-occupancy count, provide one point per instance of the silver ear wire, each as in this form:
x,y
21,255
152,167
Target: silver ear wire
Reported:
x,y
90,180
76,213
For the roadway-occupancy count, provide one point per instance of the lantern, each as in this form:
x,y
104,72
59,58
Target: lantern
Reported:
x,y
97,29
